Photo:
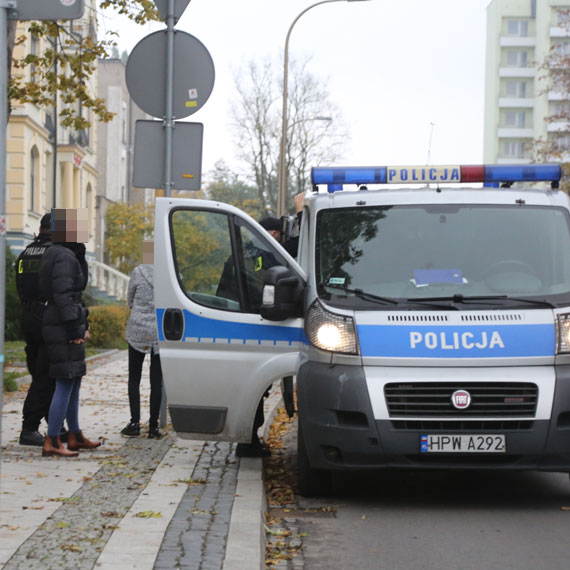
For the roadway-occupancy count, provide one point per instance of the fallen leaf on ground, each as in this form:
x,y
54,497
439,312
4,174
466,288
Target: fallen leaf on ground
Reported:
x,y
148,515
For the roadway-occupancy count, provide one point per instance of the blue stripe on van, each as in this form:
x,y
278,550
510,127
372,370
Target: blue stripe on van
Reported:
x,y
499,341
159,318
213,330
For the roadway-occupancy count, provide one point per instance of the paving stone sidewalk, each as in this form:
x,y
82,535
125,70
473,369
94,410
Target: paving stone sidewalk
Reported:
x,y
132,503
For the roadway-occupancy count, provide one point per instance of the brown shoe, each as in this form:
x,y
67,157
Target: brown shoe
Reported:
x,y
53,446
78,441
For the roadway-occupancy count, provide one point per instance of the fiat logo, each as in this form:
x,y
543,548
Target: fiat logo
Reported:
x,y
461,399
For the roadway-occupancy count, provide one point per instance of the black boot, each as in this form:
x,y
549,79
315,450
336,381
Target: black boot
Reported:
x,y
154,432
253,449
131,429
28,437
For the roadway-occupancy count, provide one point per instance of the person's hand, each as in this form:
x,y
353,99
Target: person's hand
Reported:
x,y
87,335
76,341
298,201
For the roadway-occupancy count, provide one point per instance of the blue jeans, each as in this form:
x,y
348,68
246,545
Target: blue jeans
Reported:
x,y
64,405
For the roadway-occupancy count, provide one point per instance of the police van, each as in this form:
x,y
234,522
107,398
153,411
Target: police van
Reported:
x,y
427,325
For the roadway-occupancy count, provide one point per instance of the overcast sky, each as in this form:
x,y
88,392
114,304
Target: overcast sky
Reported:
x,y
394,67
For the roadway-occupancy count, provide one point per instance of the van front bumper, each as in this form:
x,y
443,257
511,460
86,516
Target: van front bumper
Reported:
x,y
340,431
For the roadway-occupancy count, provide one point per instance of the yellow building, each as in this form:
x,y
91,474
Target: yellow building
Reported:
x,y
48,165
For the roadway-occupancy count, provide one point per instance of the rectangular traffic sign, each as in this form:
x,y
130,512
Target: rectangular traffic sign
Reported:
x,y
150,145
47,10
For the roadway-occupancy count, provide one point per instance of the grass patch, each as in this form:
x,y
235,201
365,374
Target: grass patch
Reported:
x,y
14,351
9,383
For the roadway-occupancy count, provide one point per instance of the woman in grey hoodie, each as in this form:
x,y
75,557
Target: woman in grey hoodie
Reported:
x,y
142,339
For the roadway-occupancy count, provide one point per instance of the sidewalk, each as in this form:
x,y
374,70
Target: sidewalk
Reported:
x,y
132,503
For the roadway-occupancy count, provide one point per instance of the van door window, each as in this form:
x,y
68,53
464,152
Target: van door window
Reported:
x,y
202,244
220,262
257,257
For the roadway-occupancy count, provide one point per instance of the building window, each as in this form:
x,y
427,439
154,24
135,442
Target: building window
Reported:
x,y
34,52
515,119
517,28
514,149
561,142
517,58
563,18
34,178
124,122
562,49
561,108
515,89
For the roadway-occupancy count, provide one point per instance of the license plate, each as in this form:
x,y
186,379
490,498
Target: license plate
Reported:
x,y
462,443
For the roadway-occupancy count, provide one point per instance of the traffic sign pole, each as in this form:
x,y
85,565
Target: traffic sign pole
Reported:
x,y
169,118
4,7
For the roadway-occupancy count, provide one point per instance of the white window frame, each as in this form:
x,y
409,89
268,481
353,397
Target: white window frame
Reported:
x,y
517,28
518,88
515,119
517,58
513,149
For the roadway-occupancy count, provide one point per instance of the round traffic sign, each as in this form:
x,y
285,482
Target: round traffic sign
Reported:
x,y
193,74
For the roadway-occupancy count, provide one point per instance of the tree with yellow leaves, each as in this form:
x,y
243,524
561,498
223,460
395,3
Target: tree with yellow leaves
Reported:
x,y
127,227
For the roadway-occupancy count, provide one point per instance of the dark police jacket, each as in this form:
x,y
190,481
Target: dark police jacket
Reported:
x,y
27,283
27,269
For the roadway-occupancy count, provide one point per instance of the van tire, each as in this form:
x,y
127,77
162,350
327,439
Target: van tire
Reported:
x,y
310,482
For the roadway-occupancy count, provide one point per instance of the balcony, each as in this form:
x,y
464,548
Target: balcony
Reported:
x,y
511,160
557,32
517,41
514,133
516,102
557,96
558,127
517,72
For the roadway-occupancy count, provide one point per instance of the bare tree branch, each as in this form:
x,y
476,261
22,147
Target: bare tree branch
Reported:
x,y
256,119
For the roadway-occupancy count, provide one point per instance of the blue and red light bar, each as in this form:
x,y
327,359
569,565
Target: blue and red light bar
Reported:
x,y
335,177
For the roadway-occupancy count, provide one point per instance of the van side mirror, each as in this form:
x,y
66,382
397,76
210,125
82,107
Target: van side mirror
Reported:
x,y
282,294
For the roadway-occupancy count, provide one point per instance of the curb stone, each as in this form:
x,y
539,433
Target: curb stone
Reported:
x,y
246,538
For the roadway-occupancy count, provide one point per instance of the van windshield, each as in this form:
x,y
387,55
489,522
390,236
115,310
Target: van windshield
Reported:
x,y
433,252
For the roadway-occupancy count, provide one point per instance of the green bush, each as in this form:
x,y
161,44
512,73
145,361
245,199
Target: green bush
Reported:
x,y
12,329
107,324
9,383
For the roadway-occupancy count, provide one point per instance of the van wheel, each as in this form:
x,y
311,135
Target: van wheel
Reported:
x,y
310,482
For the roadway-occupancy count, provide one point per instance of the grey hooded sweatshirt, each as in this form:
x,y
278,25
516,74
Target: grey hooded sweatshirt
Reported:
x,y
141,326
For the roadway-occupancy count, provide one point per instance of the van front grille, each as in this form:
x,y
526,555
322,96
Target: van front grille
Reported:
x,y
475,426
488,399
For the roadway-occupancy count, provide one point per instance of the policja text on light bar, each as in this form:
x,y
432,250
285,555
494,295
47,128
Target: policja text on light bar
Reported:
x,y
334,176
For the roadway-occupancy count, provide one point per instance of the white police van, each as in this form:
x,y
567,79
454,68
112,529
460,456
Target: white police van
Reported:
x,y
427,327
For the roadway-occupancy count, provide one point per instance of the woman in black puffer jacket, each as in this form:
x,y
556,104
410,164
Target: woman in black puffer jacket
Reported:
x,y
63,276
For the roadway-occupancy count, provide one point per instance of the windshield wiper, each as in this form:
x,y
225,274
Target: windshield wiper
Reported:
x,y
430,302
364,295
458,298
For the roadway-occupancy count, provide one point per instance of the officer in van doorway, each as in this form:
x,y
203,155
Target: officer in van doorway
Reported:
x,y
40,392
274,228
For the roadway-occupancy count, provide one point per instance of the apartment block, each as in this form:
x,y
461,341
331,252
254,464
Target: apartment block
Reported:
x,y
518,94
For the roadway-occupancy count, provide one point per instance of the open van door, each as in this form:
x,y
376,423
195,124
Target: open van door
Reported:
x,y
218,354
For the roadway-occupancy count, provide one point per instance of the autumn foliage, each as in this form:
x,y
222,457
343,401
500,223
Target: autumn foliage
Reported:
x,y
127,227
107,325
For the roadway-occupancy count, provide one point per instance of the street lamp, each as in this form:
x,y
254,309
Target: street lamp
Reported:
x,y
317,118
282,178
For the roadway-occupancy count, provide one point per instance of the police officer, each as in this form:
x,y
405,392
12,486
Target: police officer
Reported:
x,y
40,392
273,227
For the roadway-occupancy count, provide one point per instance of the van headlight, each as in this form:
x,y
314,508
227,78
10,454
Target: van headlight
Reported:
x,y
563,333
329,331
